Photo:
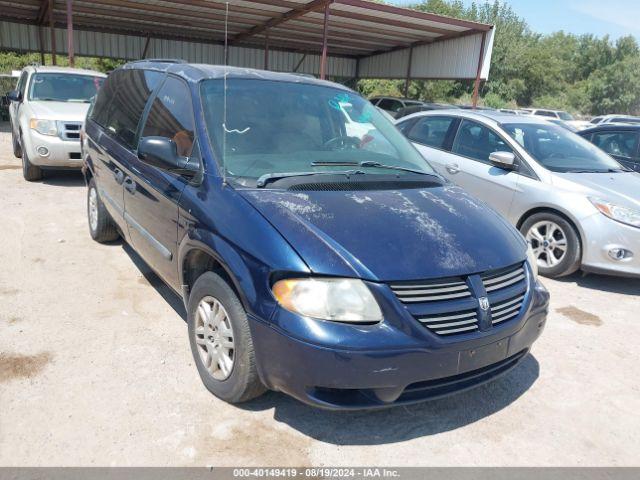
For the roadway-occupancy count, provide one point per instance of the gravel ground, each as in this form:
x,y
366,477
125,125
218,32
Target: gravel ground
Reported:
x,y
95,369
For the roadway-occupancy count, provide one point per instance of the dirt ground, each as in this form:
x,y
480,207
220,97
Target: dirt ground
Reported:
x,y
95,369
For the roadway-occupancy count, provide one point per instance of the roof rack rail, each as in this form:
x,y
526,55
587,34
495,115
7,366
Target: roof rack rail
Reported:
x,y
160,60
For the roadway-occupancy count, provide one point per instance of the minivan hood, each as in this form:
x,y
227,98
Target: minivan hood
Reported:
x,y
71,111
619,187
391,234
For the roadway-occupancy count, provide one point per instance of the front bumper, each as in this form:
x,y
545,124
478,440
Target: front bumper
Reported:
x,y
339,377
601,234
61,153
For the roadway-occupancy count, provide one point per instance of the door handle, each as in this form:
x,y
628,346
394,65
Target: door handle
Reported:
x,y
453,168
119,176
129,185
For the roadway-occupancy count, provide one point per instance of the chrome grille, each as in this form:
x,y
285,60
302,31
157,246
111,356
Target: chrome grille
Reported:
x,y
69,130
447,324
503,279
418,292
507,309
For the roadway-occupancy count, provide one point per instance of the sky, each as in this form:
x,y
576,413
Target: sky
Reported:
x,y
615,18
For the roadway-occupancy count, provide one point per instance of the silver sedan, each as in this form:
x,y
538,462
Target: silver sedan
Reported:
x,y
576,205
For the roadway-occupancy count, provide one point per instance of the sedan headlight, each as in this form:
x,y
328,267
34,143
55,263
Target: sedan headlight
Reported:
x,y
337,299
533,261
45,127
620,214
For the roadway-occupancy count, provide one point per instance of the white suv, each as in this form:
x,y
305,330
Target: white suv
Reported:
x,y
47,111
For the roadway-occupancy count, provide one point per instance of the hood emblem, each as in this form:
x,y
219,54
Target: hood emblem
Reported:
x,y
484,303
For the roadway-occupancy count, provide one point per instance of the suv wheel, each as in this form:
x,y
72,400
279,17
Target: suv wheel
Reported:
x,y
30,172
555,244
101,225
221,342
17,150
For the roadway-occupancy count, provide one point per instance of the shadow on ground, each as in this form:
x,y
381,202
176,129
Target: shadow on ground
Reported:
x,y
63,178
401,423
606,283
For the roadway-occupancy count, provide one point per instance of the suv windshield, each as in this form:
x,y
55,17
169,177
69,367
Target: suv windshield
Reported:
x,y
287,127
567,117
64,87
560,150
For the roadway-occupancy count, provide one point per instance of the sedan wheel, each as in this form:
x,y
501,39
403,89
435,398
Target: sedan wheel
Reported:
x,y
214,337
549,243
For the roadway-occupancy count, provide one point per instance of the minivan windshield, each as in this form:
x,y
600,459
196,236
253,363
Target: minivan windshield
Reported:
x,y
64,87
288,127
560,150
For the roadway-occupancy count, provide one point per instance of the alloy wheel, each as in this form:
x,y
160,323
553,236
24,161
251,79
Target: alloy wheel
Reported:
x,y
549,243
93,209
214,337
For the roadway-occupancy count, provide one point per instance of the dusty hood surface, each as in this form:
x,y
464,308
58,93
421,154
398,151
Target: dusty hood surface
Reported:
x,y
391,234
71,111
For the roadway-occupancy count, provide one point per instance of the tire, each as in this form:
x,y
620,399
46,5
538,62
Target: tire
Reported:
x,y
240,382
17,150
30,172
101,226
558,233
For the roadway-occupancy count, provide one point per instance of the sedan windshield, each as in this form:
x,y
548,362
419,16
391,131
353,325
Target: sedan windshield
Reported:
x,y
64,87
274,127
560,150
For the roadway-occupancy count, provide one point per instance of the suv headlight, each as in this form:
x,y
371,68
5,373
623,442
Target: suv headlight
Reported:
x,y
337,299
45,127
620,214
533,261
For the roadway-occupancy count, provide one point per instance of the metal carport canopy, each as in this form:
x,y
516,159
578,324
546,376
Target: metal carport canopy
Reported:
x,y
359,39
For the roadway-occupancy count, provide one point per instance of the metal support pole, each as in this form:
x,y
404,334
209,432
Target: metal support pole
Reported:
x,y
146,48
266,49
299,64
476,86
408,77
41,45
72,60
325,32
52,28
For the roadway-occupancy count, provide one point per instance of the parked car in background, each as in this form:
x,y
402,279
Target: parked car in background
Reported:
x,y
47,111
566,117
308,262
425,107
614,119
577,206
618,140
563,124
393,105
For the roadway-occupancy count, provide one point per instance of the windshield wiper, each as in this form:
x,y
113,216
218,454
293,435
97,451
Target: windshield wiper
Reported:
x,y
272,177
372,164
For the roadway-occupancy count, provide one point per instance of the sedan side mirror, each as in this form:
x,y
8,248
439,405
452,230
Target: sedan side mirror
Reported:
x,y
14,96
162,152
505,160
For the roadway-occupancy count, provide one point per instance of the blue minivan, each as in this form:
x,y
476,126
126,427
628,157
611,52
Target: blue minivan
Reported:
x,y
316,252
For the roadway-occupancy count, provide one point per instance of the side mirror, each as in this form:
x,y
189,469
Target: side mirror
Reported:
x,y
14,96
162,152
504,160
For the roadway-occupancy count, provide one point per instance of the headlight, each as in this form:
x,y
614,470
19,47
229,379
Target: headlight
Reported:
x,y
533,261
616,212
337,299
45,127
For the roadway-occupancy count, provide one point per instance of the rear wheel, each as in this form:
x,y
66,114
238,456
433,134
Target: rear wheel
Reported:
x,y
221,342
555,244
101,226
30,172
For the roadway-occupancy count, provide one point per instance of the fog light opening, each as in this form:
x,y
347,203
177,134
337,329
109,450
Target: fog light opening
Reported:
x,y
620,254
43,151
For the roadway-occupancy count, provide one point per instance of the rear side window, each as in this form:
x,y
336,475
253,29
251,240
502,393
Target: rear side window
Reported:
x,y
171,116
545,113
121,101
431,131
622,144
478,142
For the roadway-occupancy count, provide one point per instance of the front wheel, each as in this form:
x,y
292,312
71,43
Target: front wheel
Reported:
x,y
30,172
17,149
221,342
101,226
555,244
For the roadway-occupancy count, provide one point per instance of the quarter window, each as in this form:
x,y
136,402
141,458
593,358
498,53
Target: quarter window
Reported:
x,y
431,131
478,142
622,144
171,116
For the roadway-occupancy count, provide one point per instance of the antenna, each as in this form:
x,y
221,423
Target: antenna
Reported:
x,y
224,107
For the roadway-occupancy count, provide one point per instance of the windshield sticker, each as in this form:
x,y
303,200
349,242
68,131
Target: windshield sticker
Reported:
x,y
339,100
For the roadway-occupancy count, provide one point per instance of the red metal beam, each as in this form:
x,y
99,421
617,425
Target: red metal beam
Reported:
x,y
325,32
72,60
476,85
42,12
52,29
266,50
408,79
